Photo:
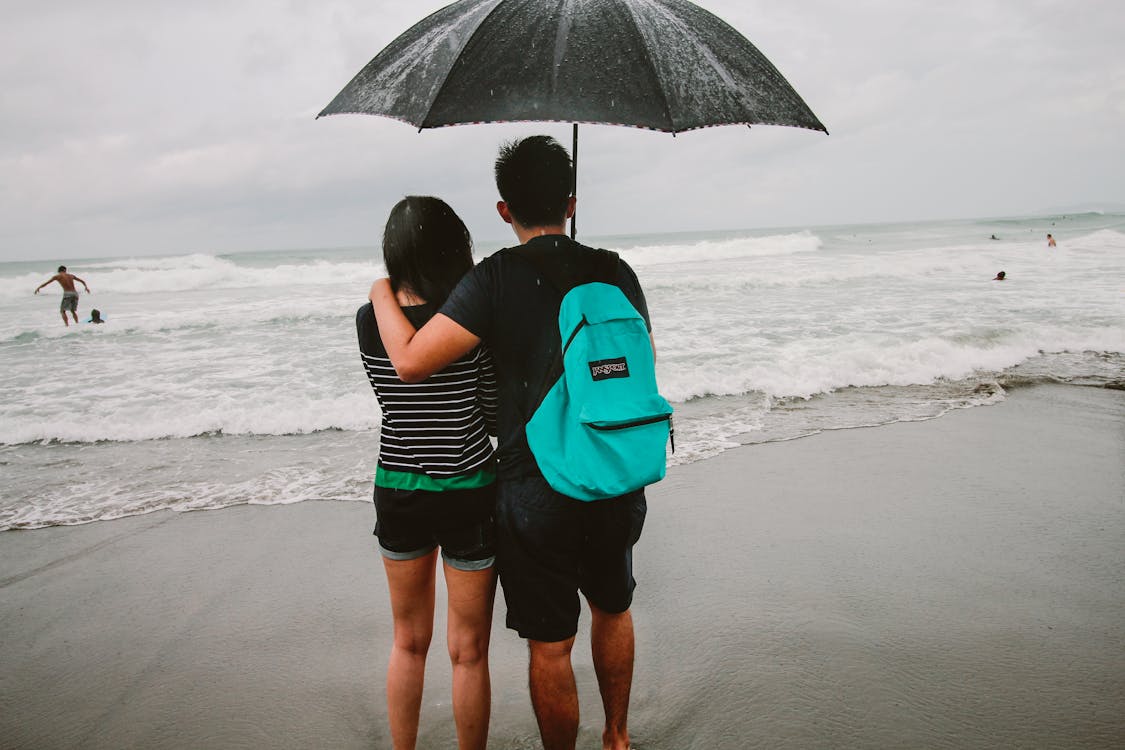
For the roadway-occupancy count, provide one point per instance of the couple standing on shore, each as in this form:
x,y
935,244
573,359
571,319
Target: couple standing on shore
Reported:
x,y
455,352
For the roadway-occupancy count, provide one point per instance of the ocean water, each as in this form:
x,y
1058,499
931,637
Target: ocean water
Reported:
x,y
235,379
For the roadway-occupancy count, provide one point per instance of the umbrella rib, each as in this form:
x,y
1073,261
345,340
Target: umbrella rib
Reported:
x,y
652,67
456,59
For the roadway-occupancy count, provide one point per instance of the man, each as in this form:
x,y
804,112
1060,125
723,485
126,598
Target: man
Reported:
x,y
1051,241
549,547
70,294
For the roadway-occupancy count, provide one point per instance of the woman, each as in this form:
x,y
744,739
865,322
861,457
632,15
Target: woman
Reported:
x,y
434,481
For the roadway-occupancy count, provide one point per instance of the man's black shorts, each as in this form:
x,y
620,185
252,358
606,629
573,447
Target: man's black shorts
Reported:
x,y
549,547
411,523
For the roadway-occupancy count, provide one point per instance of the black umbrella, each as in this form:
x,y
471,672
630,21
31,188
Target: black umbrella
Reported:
x,y
665,65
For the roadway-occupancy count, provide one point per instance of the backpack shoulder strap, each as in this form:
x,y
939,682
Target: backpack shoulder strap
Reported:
x,y
564,277
602,266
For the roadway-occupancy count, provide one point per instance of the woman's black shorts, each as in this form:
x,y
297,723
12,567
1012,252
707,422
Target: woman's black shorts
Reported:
x,y
412,523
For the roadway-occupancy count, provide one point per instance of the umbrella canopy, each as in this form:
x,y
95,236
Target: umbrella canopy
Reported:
x,y
667,65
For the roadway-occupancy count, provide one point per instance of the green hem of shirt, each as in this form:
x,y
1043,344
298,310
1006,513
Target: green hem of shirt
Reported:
x,y
405,480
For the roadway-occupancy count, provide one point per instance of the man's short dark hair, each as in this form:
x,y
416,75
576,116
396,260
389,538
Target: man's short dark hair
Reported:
x,y
62,269
535,178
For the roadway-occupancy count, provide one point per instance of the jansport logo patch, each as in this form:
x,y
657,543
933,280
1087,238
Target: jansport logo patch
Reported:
x,y
604,369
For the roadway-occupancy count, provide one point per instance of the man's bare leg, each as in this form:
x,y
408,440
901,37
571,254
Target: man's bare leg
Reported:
x,y
65,321
554,694
611,641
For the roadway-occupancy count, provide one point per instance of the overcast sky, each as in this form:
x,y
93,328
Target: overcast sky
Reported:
x,y
161,126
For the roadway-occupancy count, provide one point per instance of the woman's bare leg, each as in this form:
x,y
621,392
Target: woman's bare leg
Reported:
x,y
411,583
471,597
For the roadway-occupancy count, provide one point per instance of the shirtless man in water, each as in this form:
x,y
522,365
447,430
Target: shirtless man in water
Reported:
x,y
70,294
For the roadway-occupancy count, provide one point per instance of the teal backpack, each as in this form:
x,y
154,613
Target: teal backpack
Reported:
x,y
600,429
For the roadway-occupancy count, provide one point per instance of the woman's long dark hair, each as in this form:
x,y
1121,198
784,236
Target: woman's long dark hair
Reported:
x,y
426,248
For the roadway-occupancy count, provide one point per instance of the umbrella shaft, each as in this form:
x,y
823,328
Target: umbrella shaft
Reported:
x,y
574,181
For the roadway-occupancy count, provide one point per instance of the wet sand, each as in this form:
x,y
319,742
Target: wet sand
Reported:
x,y
957,583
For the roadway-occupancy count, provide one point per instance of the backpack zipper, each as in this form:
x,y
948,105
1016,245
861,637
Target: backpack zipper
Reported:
x,y
581,324
638,423
642,423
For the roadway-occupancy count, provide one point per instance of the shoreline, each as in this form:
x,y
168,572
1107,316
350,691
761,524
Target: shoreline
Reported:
x,y
954,582
154,453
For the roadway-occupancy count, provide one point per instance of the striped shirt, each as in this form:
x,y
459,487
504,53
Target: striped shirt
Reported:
x,y
438,428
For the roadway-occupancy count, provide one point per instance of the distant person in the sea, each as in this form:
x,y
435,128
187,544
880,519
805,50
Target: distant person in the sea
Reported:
x,y
994,237
70,293
435,479
550,547
1050,241
1000,276
96,316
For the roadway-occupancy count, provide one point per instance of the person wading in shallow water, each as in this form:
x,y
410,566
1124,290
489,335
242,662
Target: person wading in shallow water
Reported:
x,y
70,294
549,547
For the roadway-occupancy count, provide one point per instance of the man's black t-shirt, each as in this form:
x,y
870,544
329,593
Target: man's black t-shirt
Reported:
x,y
514,310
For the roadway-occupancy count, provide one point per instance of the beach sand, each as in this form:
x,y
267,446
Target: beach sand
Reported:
x,y
955,583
